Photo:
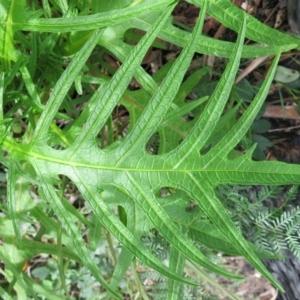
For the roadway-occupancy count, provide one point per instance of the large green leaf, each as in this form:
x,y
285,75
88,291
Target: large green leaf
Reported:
x,y
124,174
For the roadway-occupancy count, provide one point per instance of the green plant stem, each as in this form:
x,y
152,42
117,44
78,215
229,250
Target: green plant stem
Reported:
x,y
143,294
111,247
60,260
43,229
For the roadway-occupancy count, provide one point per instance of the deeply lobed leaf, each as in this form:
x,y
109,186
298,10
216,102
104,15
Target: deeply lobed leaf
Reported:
x,y
125,170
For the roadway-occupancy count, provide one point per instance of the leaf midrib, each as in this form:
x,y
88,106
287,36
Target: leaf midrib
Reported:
x,y
12,147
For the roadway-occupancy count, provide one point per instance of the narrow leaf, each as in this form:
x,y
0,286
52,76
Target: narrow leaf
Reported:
x,y
161,101
91,22
242,126
213,110
62,86
107,98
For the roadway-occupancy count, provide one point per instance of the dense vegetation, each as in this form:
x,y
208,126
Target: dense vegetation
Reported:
x,y
62,134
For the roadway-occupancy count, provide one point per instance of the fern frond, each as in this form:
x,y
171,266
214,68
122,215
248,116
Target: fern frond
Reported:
x,y
270,228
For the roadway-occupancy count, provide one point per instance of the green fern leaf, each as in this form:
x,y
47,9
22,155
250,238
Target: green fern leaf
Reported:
x,y
125,169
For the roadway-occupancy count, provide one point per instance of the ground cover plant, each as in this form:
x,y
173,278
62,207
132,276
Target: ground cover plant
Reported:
x,y
57,129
